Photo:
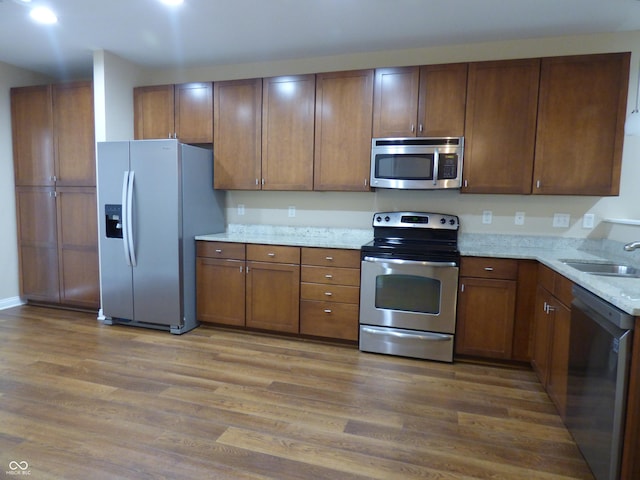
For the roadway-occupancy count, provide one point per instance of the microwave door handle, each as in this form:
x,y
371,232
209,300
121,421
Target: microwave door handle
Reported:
x,y
435,167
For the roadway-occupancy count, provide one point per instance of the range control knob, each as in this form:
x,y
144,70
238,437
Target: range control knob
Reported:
x,y
452,221
443,221
378,219
386,219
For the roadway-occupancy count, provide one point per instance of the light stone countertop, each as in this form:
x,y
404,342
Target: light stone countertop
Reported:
x,y
624,293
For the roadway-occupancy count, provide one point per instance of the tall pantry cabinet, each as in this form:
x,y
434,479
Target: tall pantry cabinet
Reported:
x,y
54,164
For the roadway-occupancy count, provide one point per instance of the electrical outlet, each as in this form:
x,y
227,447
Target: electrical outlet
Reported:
x,y
561,220
240,209
292,211
588,220
487,217
519,218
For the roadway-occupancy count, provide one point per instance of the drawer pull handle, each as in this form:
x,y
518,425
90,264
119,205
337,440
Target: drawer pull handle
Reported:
x,y
218,250
328,310
489,269
328,294
330,259
271,254
328,276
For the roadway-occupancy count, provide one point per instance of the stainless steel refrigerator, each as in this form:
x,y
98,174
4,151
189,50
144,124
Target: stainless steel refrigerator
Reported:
x,y
154,197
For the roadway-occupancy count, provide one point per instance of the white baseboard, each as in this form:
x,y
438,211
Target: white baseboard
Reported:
x,y
11,302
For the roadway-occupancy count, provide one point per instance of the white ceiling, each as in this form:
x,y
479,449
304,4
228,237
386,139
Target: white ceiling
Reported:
x,y
210,32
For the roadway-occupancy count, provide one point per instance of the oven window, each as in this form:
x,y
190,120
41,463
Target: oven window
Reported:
x,y
409,293
404,166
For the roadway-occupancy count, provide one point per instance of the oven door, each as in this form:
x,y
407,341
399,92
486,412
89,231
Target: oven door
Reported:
x,y
409,294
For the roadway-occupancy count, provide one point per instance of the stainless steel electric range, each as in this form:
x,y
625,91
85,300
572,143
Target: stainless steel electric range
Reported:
x,y
409,285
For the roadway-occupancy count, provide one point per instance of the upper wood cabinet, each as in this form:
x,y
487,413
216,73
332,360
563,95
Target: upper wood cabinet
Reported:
x,y
183,111
237,134
500,126
288,105
344,106
581,119
32,131
74,134
420,101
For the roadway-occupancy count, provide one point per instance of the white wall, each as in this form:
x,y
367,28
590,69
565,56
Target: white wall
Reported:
x,y
355,209
10,76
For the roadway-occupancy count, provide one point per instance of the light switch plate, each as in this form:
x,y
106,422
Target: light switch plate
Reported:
x,y
561,220
240,209
519,218
292,211
487,217
588,220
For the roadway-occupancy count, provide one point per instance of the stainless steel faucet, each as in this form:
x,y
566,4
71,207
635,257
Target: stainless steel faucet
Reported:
x,y
629,247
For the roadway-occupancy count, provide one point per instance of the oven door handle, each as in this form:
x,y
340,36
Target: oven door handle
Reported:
x,y
428,336
398,261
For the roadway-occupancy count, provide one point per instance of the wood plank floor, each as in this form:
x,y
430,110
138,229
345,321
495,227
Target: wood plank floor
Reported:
x,y
79,400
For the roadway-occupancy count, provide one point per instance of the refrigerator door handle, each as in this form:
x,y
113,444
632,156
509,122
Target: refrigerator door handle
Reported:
x,y
125,218
132,250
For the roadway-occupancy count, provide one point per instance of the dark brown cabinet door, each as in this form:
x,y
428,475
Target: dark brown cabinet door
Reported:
x,y
542,335
74,134
486,310
220,291
194,112
442,100
500,126
32,130
78,246
287,132
153,112
237,146
344,108
559,351
37,244
395,102
273,296
581,124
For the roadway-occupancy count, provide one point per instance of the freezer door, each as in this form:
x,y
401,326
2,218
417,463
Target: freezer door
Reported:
x,y
156,232
116,280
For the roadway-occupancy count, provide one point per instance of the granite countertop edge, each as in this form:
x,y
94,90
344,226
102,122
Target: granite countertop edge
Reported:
x,y
624,293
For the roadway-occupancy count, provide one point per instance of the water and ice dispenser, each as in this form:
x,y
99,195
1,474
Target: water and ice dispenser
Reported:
x,y
113,214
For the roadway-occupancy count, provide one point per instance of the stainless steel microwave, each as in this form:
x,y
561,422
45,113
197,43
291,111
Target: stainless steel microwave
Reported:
x,y
419,163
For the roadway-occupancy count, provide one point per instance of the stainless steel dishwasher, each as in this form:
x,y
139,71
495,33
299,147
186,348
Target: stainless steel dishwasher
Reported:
x,y
599,354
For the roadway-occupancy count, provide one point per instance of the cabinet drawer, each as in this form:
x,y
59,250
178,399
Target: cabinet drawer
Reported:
x,y
220,250
332,276
273,253
332,320
489,268
562,287
331,257
329,293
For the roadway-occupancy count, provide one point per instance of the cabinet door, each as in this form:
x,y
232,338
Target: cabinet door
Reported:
x,y
542,335
500,126
38,248
194,112
395,102
153,112
220,291
237,120
559,352
74,134
273,296
287,132
32,130
344,109
78,246
485,317
442,100
581,124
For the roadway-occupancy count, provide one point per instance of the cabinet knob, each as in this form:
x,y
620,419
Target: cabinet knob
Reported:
x,y
218,250
330,259
328,310
413,128
328,276
328,294
421,128
271,254
488,269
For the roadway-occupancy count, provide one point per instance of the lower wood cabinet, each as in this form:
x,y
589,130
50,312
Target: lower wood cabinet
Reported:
x,y
330,293
256,286
550,358
486,307
58,245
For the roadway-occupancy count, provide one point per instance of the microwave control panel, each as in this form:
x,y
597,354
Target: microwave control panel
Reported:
x,y
447,166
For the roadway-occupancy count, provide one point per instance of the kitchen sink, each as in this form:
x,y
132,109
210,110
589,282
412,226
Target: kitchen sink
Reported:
x,y
604,269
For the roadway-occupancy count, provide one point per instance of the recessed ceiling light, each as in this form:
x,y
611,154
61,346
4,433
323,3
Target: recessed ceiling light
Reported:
x,y
172,2
43,15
